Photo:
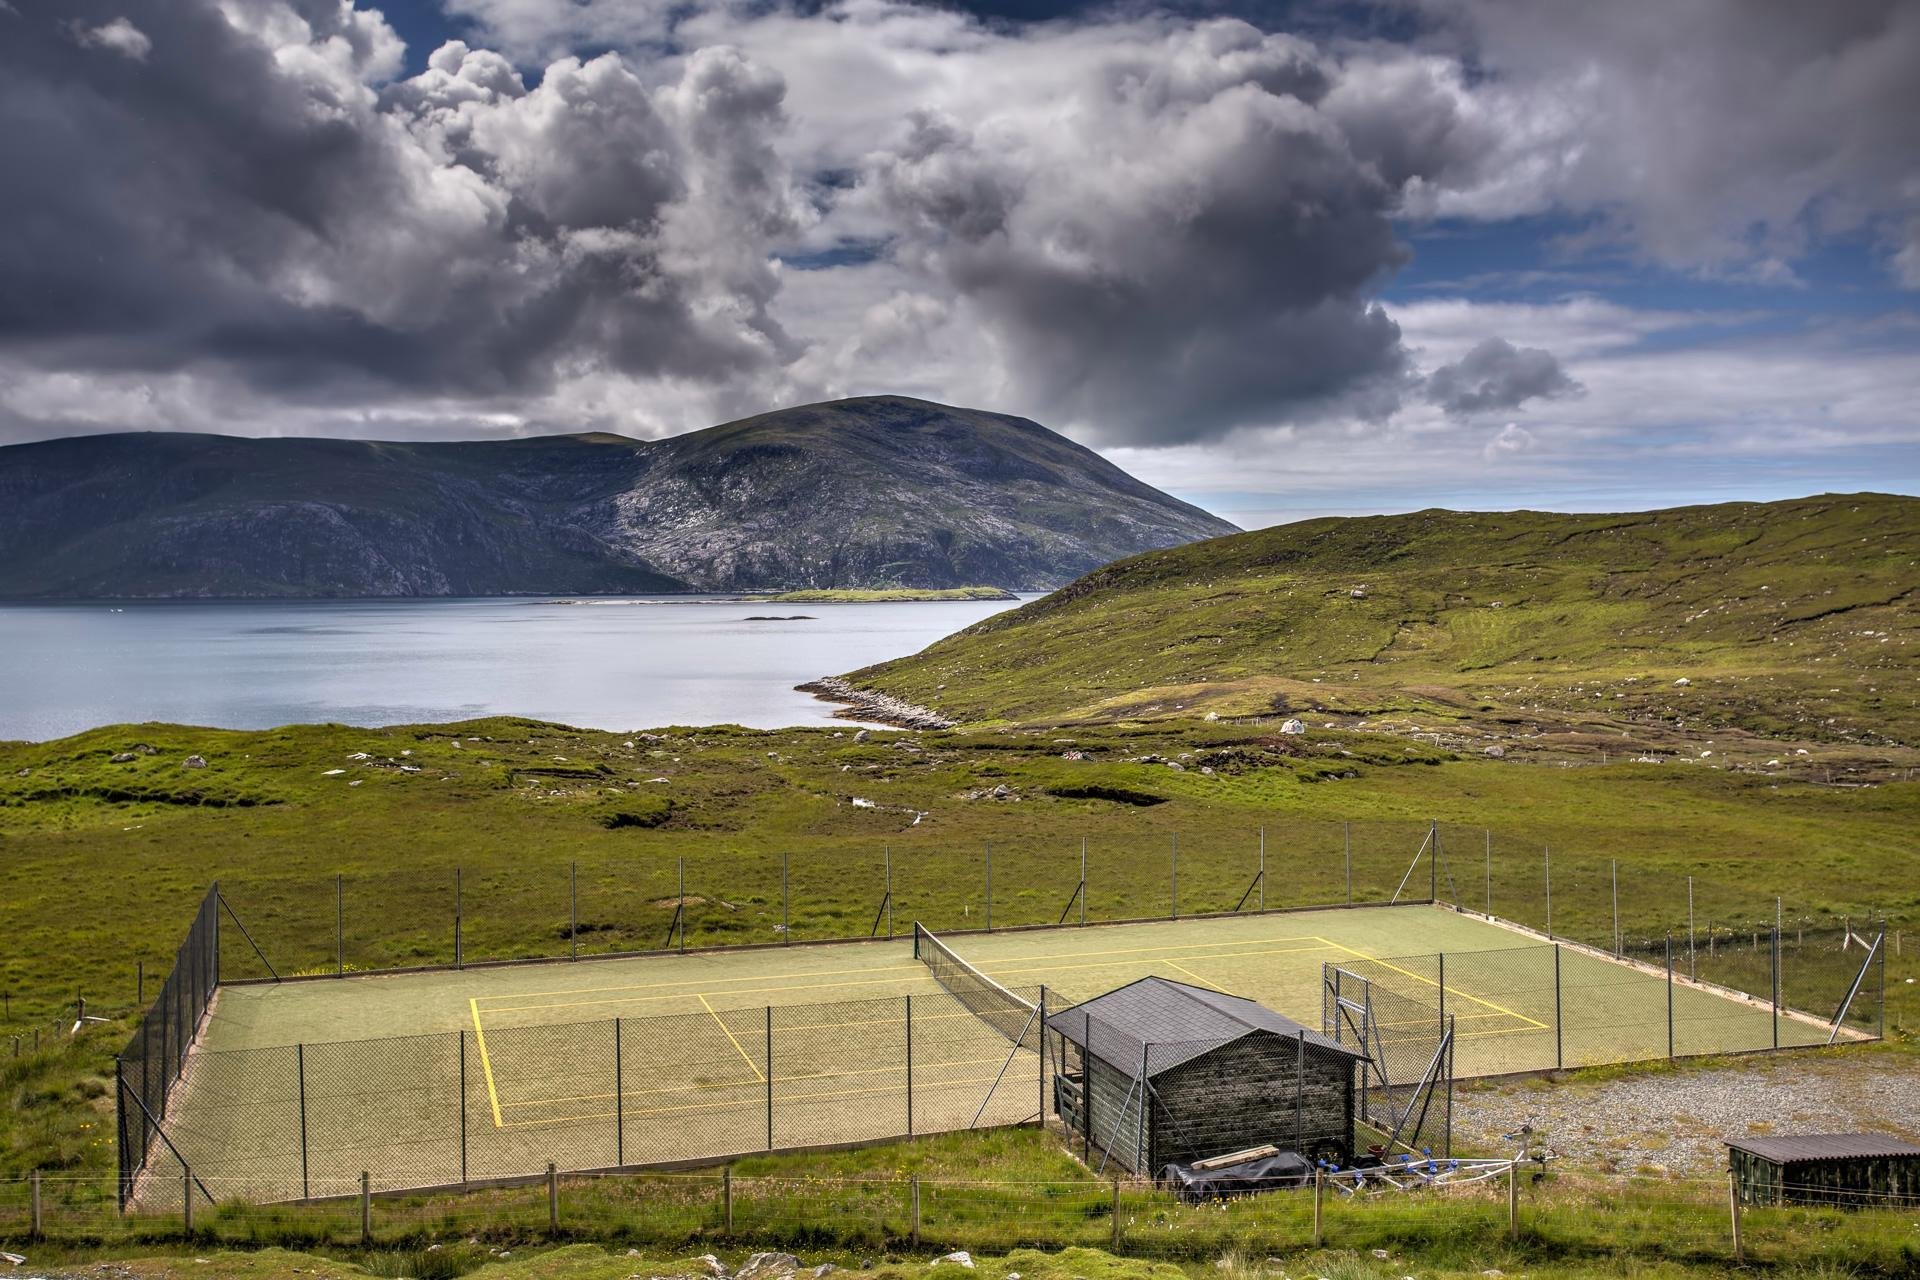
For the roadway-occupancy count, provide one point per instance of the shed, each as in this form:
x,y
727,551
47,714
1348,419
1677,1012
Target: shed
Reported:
x,y
1826,1168
1159,1072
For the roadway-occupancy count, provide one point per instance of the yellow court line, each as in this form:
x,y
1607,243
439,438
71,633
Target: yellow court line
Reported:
x,y
736,1044
1191,974
1537,1025
486,1067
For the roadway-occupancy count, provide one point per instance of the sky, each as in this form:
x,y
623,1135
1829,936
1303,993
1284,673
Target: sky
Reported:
x,y
1281,259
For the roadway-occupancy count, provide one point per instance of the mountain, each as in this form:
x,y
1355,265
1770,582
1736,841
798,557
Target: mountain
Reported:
x,y
1778,620
875,492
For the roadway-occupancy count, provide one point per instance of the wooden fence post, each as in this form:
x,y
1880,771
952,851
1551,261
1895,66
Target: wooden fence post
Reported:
x,y
1116,1211
553,1199
366,1208
1513,1200
913,1229
1319,1196
1733,1206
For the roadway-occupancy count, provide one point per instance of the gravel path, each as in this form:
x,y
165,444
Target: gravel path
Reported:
x,y
1674,1119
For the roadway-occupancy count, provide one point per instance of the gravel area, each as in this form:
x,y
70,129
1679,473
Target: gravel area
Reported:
x,y
1674,1119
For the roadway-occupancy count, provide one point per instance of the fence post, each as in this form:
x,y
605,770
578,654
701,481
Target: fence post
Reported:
x,y
1616,908
1776,973
989,886
909,1066
769,1074
1733,1207
553,1199
726,1199
1433,860
1547,852
1559,1040
913,1227
1513,1200
1442,963
619,1101
1669,995
1319,1195
1042,1021
1693,970
1489,833
458,903
35,1223
1346,833
300,1065
366,1208
1116,1211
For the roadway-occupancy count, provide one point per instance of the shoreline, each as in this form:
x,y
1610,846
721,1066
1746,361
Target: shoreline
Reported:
x,y
870,704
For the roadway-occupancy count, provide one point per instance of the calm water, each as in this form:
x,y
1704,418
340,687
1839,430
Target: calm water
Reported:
x,y
68,667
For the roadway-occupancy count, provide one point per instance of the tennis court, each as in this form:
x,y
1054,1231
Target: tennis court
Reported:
x,y
457,1076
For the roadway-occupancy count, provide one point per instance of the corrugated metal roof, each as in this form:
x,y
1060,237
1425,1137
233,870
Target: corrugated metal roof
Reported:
x,y
1171,1023
1795,1148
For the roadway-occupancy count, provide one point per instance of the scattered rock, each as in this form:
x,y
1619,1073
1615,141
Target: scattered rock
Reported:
x,y
1211,715
121,757
768,1266
1381,1254
863,735
1682,682
194,762
713,1265
331,773
860,803
959,1258
1292,726
1073,755
1497,752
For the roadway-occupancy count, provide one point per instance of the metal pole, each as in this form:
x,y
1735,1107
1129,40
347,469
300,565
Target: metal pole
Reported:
x,y
553,1199
888,855
366,1208
769,1077
462,1036
459,902
1733,1204
1489,872
683,905
726,1199
1669,995
1346,829
1043,1055
989,886
786,917
619,1100
1692,967
1616,908
1433,860
1319,1194
186,1199
1513,1200
1083,879
1174,904
1442,959
1548,852
300,1066
909,1066
1776,973
573,910
339,927
1559,1039
1116,1209
1263,868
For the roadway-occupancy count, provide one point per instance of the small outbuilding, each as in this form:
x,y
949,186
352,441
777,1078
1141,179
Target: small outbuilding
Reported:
x,y
1159,1072
1856,1169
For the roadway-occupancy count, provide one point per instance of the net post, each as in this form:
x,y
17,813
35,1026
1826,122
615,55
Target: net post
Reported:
x,y
1559,1041
769,1075
909,1066
619,1101
35,1224
186,1200
300,1068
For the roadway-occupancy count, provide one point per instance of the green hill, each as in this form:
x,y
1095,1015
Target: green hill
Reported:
x,y
1787,620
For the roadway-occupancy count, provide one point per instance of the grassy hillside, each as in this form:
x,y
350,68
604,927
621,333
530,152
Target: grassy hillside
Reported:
x,y
1792,621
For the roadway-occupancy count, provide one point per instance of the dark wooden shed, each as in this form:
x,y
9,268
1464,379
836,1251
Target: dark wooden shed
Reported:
x,y
1857,1169
1159,1072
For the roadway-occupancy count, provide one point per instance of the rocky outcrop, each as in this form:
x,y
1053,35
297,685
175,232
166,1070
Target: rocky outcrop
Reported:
x,y
871,704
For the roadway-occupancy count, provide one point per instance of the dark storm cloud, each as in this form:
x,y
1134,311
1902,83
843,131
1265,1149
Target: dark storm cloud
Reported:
x,y
1179,244
1496,375
245,187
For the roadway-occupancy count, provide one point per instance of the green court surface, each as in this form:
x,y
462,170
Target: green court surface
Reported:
x,y
451,1076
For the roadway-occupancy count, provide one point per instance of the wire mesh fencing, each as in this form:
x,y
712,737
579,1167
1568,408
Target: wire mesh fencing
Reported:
x,y
151,1064
463,1107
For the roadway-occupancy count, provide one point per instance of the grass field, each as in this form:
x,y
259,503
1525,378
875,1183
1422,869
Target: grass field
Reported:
x,y
452,1076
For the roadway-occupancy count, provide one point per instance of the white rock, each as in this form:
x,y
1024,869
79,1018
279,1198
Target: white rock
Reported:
x,y
959,1257
1211,715
1683,682
332,773
194,762
859,803
1293,726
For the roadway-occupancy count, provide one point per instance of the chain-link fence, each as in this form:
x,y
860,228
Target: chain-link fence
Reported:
x,y
456,1108
153,1060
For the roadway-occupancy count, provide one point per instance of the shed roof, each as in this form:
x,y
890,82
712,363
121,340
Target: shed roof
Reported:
x,y
1798,1148
1172,1023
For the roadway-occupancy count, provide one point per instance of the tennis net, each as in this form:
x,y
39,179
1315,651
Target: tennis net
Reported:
x,y
1012,1016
